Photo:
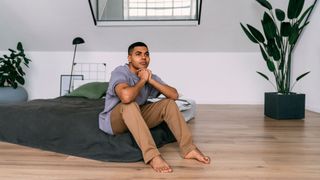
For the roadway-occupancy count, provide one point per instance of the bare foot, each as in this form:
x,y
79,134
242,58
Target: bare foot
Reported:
x,y
197,155
160,165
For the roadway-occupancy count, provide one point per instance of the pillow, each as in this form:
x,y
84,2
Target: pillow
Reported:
x,y
93,90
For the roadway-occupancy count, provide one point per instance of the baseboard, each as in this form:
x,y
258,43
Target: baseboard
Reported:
x,y
314,109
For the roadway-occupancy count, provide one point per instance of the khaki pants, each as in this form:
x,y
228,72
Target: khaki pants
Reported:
x,y
138,119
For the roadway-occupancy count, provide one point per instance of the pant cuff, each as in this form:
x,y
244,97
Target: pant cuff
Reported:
x,y
186,150
150,155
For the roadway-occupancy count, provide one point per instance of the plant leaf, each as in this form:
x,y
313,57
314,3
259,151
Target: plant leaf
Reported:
x,y
256,33
294,8
280,14
249,35
271,66
26,60
12,56
294,35
263,75
20,80
26,64
269,27
20,71
275,53
18,61
264,54
304,25
285,29
19,46
2,80
267,47
11,50
14,85
270,45
265,4
302,75
279,41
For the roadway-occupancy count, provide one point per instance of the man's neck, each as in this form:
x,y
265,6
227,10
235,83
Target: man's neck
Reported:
x,y
132,69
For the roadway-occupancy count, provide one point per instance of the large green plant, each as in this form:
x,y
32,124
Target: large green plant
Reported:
x,y
281,32
11,73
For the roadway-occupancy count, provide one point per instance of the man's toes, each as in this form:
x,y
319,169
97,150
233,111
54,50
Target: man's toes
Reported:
x,y
165,169
161,170
206,159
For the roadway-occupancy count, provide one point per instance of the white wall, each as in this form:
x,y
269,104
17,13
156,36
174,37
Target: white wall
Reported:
x,y
209,78
218,78
307,58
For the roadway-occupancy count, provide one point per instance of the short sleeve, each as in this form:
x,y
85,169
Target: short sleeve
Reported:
x,y
116,78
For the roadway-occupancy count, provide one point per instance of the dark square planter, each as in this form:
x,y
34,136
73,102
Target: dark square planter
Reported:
x,y
280,106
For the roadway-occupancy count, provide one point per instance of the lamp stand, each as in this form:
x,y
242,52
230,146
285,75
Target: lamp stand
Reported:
x,y
74,55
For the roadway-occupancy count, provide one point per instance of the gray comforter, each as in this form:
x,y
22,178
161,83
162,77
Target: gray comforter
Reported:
x,y
69,125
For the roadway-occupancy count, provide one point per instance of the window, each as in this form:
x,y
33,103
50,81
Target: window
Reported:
x,y
146,12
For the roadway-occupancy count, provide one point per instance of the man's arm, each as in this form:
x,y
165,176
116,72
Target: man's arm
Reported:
x,y
128,93
166,90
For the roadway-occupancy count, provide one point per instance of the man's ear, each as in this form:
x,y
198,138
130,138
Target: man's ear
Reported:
x,y
129,58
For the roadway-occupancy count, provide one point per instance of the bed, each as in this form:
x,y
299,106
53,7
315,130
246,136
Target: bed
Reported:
x,y
69,125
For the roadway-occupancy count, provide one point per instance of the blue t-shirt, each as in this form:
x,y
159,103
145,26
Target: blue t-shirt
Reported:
x,y
122,74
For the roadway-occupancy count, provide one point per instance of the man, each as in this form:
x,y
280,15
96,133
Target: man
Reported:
x,y
126,110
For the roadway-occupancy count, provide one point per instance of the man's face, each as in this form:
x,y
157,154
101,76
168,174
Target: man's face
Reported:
x,y
139,57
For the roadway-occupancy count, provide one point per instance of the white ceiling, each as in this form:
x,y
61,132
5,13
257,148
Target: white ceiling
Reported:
x,y
50,25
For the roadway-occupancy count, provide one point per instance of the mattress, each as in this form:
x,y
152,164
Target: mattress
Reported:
x,y
69,125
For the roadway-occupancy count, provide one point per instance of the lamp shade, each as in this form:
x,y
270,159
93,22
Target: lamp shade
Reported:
x,y
77,40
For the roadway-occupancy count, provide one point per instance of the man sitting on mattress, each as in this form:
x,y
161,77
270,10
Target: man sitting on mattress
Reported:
x,y
126,109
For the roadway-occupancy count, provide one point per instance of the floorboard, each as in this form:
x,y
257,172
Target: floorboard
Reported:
x,y
242,143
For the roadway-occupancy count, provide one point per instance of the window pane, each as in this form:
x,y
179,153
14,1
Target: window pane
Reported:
x,y
160,8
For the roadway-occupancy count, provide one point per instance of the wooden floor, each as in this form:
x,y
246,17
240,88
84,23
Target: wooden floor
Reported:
x,y
242,143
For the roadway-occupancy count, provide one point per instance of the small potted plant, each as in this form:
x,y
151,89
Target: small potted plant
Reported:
x,y
281,32
11,75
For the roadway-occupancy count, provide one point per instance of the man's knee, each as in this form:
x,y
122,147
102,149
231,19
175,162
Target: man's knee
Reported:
x,y
169,102
131,106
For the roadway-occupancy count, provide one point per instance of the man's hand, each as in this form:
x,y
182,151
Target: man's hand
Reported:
x,y
144,74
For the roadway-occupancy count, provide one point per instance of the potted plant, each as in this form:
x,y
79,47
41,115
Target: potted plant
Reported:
x,y
281,31
11,75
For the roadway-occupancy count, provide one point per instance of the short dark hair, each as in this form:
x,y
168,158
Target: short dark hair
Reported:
x,y
132,46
